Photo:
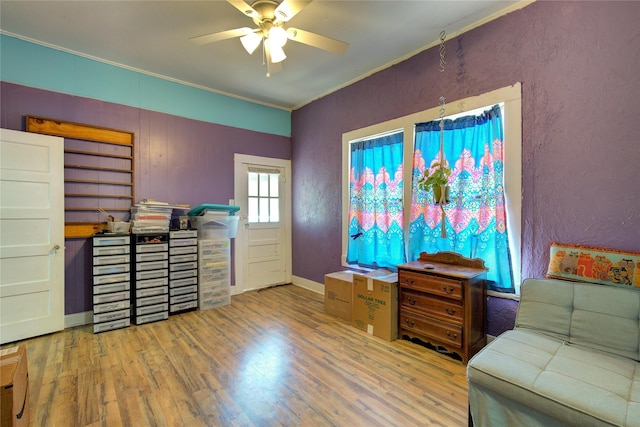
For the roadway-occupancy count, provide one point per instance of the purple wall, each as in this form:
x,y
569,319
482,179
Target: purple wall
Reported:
x,y
579,64
176,159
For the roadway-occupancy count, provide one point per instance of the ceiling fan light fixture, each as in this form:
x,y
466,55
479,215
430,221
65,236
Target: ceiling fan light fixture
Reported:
x,y
250,42
278,36
275,52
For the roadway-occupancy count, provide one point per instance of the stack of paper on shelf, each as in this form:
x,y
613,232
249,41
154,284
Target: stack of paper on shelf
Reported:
x,y
150,216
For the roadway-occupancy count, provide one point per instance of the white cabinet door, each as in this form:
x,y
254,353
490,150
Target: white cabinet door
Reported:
x,y
31,235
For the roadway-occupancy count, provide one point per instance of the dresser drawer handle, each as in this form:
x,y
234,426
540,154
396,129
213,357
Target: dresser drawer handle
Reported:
x,y
410,300
409,282
452,336
447,290
450,310
409,322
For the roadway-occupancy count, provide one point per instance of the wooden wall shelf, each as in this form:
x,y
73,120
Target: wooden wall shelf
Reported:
x,y
95,159
91,181
92,153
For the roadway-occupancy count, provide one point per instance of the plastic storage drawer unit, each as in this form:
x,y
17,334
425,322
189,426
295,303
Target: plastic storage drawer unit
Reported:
x,y
183,270
150,270
214,274
111,282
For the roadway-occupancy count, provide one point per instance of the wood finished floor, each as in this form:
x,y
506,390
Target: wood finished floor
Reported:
x,y
271,358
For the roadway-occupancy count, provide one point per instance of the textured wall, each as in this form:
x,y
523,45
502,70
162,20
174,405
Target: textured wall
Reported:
x,y
501,315
579,65
178,160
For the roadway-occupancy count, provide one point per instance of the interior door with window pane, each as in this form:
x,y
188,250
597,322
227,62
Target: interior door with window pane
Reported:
x,y
261,242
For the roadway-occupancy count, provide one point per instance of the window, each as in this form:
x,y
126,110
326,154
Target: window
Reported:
x,y
376,215
511,97
475,214
264,202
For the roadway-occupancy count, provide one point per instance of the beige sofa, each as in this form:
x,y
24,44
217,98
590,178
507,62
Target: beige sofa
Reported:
x,y
572,359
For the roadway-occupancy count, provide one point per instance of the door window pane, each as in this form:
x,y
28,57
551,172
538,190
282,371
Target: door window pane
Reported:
x,y
274,182
263,192
264,185
274,210
264,210
253,210
253,184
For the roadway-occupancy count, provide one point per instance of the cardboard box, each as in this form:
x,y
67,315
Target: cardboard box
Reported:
x,y
338,293
14,387
375,304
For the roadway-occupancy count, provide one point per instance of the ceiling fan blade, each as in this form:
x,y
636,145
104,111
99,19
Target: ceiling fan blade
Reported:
x,y
223,35
316,40
289,8
243,7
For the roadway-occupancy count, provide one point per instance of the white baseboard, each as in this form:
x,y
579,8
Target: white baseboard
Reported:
x,y
308,284
78,319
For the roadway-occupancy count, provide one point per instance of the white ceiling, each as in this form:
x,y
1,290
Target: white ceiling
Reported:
x,y
153,37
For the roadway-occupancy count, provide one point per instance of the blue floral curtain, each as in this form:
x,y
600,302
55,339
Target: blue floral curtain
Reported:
x,y
375,210
476,217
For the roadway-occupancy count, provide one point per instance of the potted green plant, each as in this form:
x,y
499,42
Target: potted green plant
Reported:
x,y
438,181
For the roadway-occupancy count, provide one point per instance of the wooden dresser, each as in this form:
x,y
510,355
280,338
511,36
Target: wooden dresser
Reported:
x,y
444,306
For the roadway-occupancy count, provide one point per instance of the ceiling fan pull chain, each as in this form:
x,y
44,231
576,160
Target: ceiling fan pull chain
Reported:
x,y
265,60
442,98
443,227
442,51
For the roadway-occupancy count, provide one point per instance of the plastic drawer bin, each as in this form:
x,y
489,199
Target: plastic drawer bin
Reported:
x,y
176,275
216,226
184,290
110,250
116,287
111,278
113,315
152,256
110,297
114,241
148,318
183,250
158,299
111,306
215,221
184,242
185,258
151,283
108,326
152,274
111,269
214,247
149,309
150,292
111,259
183,298
215,302
183,282
184,306
157,247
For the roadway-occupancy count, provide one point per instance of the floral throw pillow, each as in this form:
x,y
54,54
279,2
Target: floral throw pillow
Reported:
x,y
594,265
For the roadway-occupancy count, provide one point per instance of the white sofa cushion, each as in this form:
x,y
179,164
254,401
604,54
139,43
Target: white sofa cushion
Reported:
x,y
601,317
570,383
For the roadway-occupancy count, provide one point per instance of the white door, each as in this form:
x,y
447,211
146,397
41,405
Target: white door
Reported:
x,y
263,243
31,235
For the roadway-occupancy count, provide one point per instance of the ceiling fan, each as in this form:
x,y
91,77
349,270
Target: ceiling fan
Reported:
x,y
270,17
